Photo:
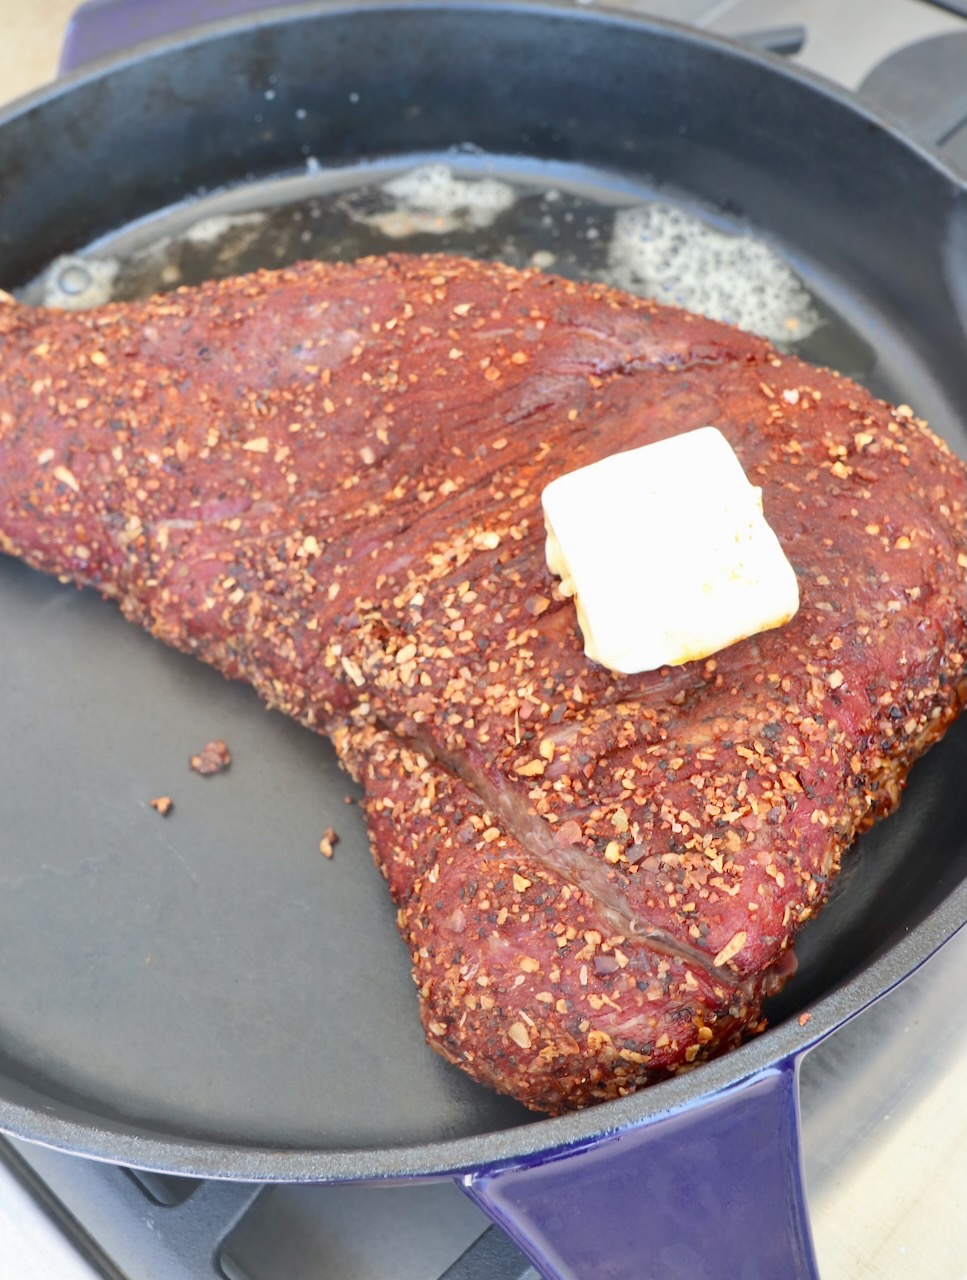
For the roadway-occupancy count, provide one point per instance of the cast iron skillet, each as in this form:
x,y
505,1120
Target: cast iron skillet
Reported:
x,y
205,994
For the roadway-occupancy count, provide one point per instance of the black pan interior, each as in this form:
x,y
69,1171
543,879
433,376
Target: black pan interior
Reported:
x,y
209,978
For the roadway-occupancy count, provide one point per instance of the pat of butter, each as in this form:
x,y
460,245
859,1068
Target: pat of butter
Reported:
x,y
667,552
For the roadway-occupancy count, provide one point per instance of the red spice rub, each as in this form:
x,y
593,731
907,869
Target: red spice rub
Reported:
x,y
327,481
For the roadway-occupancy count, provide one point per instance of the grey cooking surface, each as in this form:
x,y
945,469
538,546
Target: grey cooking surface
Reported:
x,y
884,1065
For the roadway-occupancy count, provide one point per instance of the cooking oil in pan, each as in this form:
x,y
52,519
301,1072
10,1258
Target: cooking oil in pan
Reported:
x,y
581,225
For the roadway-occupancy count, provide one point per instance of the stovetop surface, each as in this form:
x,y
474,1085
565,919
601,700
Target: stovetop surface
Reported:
x,y
883,1101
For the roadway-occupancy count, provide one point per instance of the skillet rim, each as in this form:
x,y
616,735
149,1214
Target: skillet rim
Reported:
x,y
613,14
86,1133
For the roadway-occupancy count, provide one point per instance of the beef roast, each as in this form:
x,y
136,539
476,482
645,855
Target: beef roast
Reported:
x,y
326,481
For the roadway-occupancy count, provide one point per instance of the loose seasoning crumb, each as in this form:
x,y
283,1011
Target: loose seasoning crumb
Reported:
x,y
213,758
328,842
164,805
349,799
804,1018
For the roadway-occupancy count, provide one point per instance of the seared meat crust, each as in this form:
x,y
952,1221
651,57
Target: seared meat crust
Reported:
x,y
326,481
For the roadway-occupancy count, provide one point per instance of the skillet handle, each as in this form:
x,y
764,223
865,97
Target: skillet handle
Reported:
x,y
714,1189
